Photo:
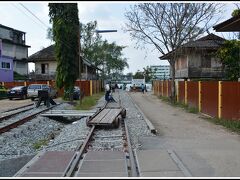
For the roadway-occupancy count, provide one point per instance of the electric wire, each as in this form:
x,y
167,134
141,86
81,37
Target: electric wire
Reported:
x,y
27,15
65,43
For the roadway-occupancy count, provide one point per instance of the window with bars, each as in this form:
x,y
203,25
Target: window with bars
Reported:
x,y
5,65
206,61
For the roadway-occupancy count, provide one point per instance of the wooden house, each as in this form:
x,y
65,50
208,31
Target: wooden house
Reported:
x,y
197,59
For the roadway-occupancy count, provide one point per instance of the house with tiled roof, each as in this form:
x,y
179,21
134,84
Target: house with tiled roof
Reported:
x,y
197,59
46,65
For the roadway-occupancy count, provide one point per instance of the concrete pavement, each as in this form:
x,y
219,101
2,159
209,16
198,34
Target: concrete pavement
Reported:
x,y
203,149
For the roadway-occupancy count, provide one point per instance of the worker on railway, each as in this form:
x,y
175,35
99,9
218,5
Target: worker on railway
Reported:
x,y
142,88
113,88
110,98
107,91
134,88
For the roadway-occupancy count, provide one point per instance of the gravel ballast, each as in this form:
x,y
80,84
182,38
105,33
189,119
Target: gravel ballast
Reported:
x,y
66,137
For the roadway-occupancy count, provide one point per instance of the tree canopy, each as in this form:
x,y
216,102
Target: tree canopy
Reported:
x,y
166,26
236,12
105,55
65,33
147,72
229,55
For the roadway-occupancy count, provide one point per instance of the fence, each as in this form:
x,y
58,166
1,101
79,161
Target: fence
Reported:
x,y
89,87
219,99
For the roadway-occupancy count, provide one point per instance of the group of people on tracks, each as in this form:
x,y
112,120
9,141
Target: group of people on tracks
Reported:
x,y
109,89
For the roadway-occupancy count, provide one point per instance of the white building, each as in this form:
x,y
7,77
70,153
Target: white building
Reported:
x,y
46,66
161,71
13,47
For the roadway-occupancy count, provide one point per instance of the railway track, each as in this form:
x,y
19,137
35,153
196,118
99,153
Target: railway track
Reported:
x,y
8,124
15,111
105,151
104,140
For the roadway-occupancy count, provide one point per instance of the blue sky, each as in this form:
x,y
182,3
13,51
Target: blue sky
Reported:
x,y
109,15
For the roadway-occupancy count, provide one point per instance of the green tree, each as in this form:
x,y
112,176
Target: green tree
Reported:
x,y
114,61
229,55
65,31
138,75
90,41
101,53
147,72
111,59
105,55
166,26
236,12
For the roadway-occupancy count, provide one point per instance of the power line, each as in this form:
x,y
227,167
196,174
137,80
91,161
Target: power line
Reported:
x,y
65,43
27,15
33,15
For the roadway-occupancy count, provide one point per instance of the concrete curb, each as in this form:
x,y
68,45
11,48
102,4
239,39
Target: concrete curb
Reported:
x,y
149,124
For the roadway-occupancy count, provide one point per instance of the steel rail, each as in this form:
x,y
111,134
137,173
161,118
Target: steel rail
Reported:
x,y
22,121
131,156
71,168
13,114
72,165
13,109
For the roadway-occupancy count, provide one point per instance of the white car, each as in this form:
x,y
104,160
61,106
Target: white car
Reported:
x,y
32,91
128,87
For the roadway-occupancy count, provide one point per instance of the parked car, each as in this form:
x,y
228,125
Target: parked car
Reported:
x,y
3,92
32,91
17,92
76,93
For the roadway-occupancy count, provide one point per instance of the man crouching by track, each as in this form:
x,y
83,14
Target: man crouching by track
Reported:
x,y
108,94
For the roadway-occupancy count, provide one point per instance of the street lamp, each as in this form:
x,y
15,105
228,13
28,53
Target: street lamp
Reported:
x,y
81,54
105,31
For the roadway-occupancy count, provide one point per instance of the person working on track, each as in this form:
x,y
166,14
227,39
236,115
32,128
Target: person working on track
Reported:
x,y
108,94
142,88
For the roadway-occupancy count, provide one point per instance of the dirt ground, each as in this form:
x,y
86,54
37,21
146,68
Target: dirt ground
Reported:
x,y
6,104
206,149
